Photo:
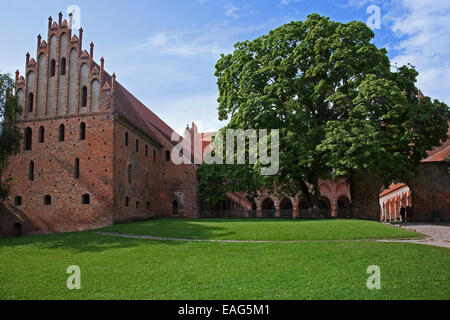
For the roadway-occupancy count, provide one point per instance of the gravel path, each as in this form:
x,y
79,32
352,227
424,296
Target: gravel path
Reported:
x,y
439,235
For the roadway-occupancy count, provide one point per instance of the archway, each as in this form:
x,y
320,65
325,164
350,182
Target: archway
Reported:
x,y
18,229
175,207
254,208
286,208
268,208
324,207
343,207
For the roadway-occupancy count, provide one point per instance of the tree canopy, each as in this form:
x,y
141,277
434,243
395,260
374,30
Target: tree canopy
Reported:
x,y
339,105
9,133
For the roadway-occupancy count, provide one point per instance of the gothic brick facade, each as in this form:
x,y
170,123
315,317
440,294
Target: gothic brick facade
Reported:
x,y
92,155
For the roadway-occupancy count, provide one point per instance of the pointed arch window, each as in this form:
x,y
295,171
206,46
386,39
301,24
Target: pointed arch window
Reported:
x,y
85,199
41,134
28,138
31,171
77,169
18,201
82,131
52,68
129,173
167,155
47,200
126,138
63,66
30,102
84,96
61,132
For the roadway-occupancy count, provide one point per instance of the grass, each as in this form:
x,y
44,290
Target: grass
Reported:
x,y
122,268
259,229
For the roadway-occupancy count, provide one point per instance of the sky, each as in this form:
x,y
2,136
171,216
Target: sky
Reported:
x,y
164,52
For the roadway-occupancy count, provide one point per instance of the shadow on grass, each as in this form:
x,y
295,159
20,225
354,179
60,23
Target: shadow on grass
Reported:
x,y
88,241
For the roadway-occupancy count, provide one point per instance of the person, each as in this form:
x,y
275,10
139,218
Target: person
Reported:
x,y
403,213
409,212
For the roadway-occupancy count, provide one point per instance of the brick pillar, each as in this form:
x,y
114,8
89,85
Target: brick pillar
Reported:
x,y
277,208
295,209
334,208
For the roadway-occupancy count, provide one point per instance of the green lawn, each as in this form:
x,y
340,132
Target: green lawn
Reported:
x,y
122,268
259,229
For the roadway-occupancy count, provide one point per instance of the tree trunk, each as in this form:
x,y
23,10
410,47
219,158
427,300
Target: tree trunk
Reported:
x,y
365,191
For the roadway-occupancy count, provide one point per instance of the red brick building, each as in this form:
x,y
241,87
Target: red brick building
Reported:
x,y
93,155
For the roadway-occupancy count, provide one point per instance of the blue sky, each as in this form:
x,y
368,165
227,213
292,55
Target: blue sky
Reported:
x,y
164,52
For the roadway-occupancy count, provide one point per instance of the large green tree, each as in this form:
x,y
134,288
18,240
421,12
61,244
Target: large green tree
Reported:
x,y
309,78
10,135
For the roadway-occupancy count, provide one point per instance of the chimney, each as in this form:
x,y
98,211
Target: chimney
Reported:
x,y
60,18
28,59
50,20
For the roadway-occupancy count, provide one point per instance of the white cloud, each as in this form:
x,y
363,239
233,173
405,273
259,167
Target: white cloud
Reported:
x,y
211,40
231,11
198,108
183,45
286,2
421,31
425,32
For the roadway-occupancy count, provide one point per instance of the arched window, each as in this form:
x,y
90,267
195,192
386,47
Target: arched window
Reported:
x,y
129,173
85,199
52,68
146,150
175,207
30,102
82,131
126,138
84,96
137,204
18,201
127,201
167,155
47,200
63,66
76,172
41,134
31,171
28,138
154,155
137,145
18,229
61,132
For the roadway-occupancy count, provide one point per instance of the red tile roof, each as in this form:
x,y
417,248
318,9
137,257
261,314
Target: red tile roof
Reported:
x,y
393,187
